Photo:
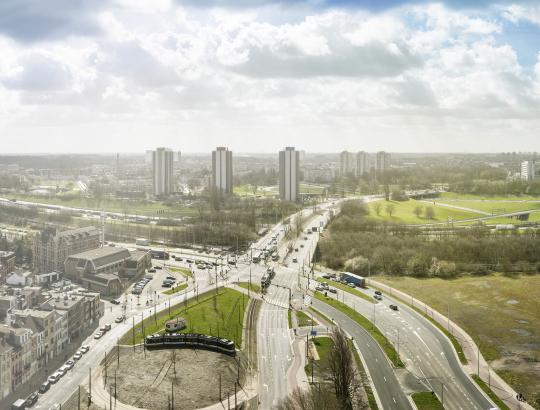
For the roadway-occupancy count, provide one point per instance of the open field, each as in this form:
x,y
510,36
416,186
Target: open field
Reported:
x,y
427,401
220,315
404,212
111,205
500,313
494,207
321,367
454,195
254,287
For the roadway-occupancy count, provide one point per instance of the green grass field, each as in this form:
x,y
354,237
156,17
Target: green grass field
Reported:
x,y
500,313
366,324
220,315
184,271
404,212
304,319
111,205
427,401
347,289
494,207
254,287
176,289
454,195
321,367
490,393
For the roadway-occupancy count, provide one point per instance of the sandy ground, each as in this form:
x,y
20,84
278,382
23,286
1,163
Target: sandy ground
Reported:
x,y
148,383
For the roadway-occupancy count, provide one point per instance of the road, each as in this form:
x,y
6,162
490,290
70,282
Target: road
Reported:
x,y
428,354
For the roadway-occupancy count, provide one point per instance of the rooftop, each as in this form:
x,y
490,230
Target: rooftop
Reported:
x,y
103,256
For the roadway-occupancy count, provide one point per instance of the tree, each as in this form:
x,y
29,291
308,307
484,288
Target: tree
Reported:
x,y
342,368
312,399
430,213
358,264
418,209
390,208
377,207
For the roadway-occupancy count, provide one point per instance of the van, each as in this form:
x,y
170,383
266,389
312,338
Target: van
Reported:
x,y
19,405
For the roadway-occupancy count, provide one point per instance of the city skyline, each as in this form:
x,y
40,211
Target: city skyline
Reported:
x,y
331,75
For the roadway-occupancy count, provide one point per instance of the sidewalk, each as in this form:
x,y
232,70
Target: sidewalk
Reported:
x,y
505,392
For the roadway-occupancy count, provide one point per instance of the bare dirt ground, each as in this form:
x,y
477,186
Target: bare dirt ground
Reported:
x,y
149,383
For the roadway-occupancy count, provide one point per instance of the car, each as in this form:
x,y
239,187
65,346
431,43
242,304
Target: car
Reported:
x,y
98,335
85,349
351,285
171,277
296,249
166,285
233,263
158,267
55,406
378,297
70,363
301,245
44,387
77,356
151,271
53,378
178,259
189,261
31,399
378,292
319,288
332,290
394,307
295,260
326,276
119,319
115,302
62,371
305,238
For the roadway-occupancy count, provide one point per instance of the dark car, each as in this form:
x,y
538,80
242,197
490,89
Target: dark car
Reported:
x,y
115,302
31,400
178,259
158,267
332,290
151,271
166,285
378,292
394,307
189,261
44,387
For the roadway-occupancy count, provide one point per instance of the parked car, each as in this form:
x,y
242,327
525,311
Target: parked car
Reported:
x,y
301,245
45,386
105,328
378,292
378,297
319,288
394,307
166,285
332,290
295,260
351,285
69,364
115,302
31,399
85,349
178,259
189,261
119,319
53,378
151,271
98,335
63,370
158,267
77,356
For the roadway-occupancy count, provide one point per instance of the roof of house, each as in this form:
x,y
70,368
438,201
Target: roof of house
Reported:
x,y
101,278
101,256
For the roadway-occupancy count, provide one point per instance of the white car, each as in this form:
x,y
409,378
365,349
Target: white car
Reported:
x,y
53,378
85,349
98,335
77,356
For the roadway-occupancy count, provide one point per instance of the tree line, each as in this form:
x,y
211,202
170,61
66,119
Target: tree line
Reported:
x,y
365,246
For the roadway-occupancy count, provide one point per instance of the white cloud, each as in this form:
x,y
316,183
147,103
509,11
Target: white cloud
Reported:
x,y
516,13
161,69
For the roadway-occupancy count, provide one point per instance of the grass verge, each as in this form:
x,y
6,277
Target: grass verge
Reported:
x,y
366,324
217,315
303,319
289,318
176,289
254,287
321,315
490,393
184,271
427,401
346,288
320,367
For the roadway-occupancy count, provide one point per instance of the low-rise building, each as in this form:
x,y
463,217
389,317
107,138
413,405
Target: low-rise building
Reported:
x,y
46,279
19,278
7,264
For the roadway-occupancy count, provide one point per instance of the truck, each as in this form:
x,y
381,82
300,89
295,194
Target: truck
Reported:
x,y
142,242
19,405
359,281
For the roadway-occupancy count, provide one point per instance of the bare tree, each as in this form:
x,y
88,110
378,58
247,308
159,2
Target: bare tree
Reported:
x,y
315,398
173,361
430,213
343,371
418,209
377,207
390,208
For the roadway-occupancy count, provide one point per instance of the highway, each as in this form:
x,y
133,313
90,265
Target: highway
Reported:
x,y
428,354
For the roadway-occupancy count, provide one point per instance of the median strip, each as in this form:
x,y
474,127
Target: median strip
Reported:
x,y
346,288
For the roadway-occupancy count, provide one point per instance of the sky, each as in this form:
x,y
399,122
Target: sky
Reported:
x,y
321,75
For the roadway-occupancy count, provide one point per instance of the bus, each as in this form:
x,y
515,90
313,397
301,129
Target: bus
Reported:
x,y
160,254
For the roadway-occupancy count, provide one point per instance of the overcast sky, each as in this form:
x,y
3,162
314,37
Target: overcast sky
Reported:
x,y
322,75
